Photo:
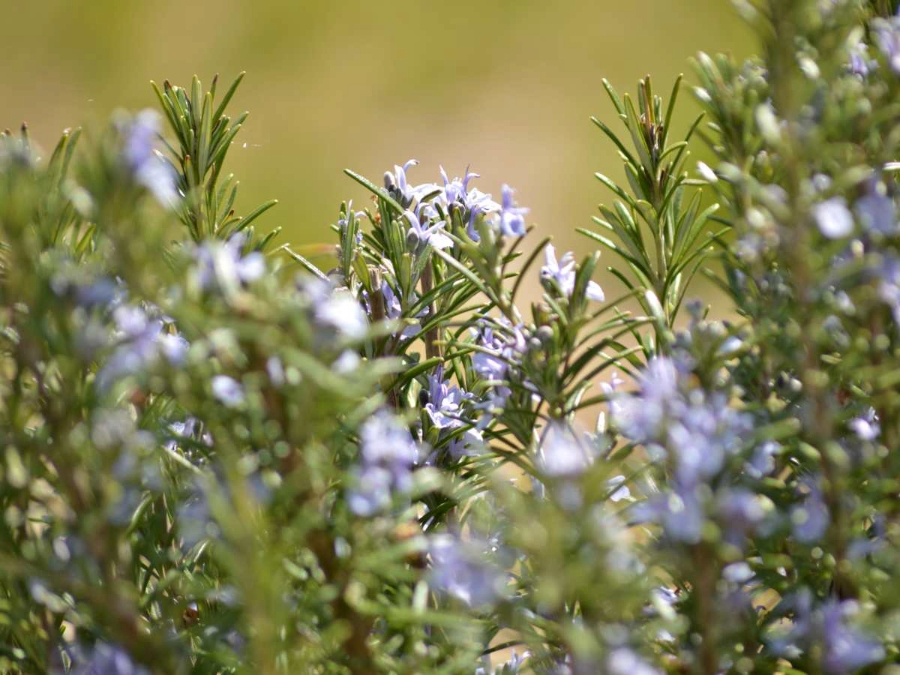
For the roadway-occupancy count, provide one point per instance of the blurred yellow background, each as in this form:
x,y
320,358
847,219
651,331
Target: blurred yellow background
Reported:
x,y
506,87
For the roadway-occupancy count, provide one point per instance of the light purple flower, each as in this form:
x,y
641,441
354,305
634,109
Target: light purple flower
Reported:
x,y
640,418
889,286
562,453
737,573
394,310
444,401
222,266
106,659
335,308
810,519
344,221
472,203
512,666
456,190
425,229
462,568
144,160
384,439
512,217
372,492
398,185
140,342
619,491
860,64
877,213
739,512
834,218
499,348
562,274
468,444
227,391
187,430
762,461
866,426
887,34
845,649
697,428
623,661
387,455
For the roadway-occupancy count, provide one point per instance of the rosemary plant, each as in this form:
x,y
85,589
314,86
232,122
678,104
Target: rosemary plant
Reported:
x,y
219,457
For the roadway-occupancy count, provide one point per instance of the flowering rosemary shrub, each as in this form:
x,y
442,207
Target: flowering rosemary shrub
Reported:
x,y
220,458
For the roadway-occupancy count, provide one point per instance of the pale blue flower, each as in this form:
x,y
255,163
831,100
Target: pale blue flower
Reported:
x,y
619,491
187,432
394,310
847,649
456,190
344,221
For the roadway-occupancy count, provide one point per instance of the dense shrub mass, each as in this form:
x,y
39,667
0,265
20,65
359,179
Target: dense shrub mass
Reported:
x,y
217,457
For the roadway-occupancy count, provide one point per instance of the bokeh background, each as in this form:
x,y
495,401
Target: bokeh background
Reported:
x,y
504,86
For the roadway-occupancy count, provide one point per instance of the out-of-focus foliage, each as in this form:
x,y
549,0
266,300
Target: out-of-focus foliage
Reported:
x,y
219,457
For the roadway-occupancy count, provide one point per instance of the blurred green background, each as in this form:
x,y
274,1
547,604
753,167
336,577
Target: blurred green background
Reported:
x,y
506,87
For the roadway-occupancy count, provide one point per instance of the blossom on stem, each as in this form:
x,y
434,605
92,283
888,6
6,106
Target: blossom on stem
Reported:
x,y
387,455
398,185
562,273
512,217
444,401
462,568
425,229
145,162
834,218
223,267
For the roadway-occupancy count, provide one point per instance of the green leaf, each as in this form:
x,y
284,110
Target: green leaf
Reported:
x,y
228,95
